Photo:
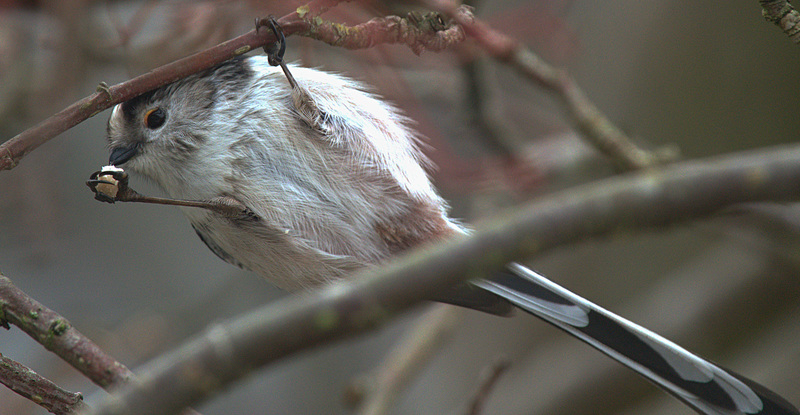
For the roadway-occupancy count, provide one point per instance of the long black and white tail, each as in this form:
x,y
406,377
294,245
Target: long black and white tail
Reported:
x,y
704,386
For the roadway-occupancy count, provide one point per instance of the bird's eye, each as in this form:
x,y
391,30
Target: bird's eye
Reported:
x,y
155,118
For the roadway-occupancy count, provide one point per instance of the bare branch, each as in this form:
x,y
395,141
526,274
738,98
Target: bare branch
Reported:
x,y
598,129
784,16
420,32
37,389
488,379
56,334
230,350
429,333
13,150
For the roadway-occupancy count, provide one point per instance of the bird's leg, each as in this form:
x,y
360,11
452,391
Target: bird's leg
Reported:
x,y
111,185
276,50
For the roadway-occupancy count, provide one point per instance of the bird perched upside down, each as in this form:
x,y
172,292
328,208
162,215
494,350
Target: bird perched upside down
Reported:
x,y
332,181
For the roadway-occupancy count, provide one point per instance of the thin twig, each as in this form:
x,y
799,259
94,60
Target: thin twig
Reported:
x,y
37,389
488,380
111,186
598,129
230,350
784,16
381,389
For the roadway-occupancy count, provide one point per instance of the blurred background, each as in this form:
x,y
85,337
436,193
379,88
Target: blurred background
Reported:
x,y
706,77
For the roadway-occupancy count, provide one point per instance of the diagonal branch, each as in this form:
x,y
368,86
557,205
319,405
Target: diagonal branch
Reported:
x,y
784,16
598,129
230,350
13,150
37,389
381,388
488,381
56,334
420,32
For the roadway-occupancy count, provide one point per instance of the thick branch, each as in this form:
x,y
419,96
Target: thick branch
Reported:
x,y
784,16
56,334
228,351
37,389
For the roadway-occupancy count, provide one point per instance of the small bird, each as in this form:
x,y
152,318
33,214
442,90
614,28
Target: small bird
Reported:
x,y
330,179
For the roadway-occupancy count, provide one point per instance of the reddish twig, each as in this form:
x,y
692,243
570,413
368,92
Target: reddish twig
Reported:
x,y
593,124
37,389
419,32
13,150
784,16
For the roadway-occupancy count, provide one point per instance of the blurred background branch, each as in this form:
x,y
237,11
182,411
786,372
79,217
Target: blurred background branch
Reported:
x,y
595,126
376,393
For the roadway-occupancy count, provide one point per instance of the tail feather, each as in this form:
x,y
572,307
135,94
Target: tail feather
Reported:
x,y
702,385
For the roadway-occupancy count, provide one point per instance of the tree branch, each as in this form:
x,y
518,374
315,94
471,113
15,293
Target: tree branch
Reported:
x,y
37,389
784,16
230,350
419,32
381,389
56,334
487,382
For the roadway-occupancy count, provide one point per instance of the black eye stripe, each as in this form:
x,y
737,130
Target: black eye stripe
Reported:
x,y
130,107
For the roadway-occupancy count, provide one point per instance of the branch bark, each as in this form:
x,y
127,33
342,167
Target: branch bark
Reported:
x,y
230,350
56,334
37,389
784,16
419,33
13,150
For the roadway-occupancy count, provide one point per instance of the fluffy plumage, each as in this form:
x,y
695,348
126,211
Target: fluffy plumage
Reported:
x,y
319,187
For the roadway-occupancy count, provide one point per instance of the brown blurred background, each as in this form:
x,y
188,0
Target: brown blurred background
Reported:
x,y
708,77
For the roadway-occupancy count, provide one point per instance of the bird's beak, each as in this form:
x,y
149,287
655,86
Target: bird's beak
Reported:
x,y
120,155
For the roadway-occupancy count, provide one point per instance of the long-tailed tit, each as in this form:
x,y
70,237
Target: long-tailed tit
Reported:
x,y
330,179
